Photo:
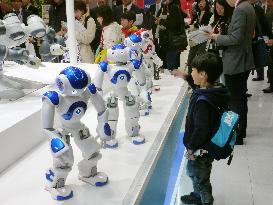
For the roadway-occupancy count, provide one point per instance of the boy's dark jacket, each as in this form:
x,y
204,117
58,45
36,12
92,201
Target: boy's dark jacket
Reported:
x,y
202,118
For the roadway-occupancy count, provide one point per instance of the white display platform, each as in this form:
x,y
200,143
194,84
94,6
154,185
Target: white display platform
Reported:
x,y
127,166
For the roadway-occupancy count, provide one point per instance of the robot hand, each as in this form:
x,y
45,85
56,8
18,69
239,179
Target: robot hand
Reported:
x,y
57,50
157,60
57,142
33,62
103,129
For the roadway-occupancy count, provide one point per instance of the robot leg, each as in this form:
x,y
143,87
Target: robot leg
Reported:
x,y
90,152
112,106
62,165
131,109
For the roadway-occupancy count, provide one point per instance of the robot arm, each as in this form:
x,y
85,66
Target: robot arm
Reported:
x,y
58,145
52,45
98,81
139,71
103,128
19,55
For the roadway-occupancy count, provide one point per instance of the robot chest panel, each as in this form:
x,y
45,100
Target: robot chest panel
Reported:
x,y
120,75
72,108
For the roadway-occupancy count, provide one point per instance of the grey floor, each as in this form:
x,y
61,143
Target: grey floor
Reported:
x,y
249,179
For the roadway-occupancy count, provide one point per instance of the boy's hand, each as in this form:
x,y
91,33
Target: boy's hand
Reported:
x,y
179,73
190,155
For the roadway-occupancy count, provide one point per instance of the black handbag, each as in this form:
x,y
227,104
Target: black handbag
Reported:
x,y
261,54
177,40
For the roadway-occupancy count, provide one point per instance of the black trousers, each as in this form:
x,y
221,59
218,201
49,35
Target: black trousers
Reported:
x,y
237,85
270,70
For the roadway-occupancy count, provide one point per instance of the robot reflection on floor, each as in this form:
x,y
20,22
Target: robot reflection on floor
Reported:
x,y
13,33
70,102
120,74
139,88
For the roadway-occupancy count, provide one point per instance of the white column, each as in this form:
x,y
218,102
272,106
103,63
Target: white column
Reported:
x,y
72,43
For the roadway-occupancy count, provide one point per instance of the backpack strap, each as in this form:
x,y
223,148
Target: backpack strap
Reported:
x,y
205,98
86,20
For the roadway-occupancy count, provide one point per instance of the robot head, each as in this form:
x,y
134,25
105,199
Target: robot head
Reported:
x,y
72,81
147,42
118,53
36,26
15,31
134,42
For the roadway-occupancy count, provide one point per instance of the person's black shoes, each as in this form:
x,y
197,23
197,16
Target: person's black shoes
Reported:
x,y
191,199
239,141
268,90
248,95
257,79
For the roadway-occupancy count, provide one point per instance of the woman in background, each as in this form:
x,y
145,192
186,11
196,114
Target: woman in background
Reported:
x,y
111,31
86,35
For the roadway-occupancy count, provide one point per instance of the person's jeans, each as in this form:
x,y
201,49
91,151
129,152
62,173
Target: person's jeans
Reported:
x,y
199,171
237,86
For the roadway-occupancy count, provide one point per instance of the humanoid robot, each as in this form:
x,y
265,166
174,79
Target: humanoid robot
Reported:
x,y
139,88
70,102
119,73
151,61
13,33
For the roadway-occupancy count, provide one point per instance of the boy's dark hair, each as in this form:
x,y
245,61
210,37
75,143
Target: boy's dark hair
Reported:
x,y
80,5
129,15
210,63
106,13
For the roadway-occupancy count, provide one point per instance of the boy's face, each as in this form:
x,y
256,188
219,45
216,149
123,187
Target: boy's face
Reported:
x,y
125,23
199,78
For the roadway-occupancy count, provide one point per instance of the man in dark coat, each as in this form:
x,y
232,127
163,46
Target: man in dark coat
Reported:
x,y
28,9
238,59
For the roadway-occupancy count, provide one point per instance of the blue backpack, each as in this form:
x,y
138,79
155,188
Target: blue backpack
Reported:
x,y
222,143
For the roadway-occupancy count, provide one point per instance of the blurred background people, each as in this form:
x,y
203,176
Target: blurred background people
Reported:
x,y
174,23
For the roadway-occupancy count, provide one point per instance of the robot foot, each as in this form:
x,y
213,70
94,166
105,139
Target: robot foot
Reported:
x,y
144,112
111,144
60,194
100,179
137,140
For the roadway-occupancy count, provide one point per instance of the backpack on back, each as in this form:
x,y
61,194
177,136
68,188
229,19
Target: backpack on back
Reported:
x,y
222,143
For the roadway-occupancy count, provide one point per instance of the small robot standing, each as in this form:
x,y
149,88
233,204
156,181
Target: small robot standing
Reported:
x,y
120,73
70,102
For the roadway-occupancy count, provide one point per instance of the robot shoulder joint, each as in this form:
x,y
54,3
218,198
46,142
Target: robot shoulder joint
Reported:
x,y
53,97
103,66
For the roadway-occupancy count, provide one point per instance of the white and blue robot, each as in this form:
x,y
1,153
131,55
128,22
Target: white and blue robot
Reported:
x,y
70,102
119,73
139,88
151,64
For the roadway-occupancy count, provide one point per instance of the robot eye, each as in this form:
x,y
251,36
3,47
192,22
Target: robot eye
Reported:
x,y
60,85
121,52
113,53
74,92
133,44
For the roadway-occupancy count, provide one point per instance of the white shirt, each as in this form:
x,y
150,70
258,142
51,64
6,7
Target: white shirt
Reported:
x,y
128,7
157,7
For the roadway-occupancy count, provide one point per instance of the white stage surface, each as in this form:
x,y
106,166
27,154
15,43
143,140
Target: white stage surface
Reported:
x,y
127,166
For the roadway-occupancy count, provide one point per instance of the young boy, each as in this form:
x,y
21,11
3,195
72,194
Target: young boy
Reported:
x,y
127,21
201,122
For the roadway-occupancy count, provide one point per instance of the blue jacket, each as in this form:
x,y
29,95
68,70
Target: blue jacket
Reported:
x,y
202,118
